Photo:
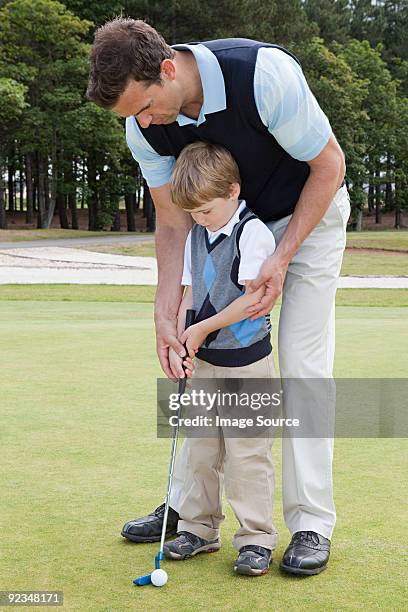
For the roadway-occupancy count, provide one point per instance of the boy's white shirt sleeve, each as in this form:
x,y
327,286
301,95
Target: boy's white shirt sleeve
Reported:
x,y
186,279
256,244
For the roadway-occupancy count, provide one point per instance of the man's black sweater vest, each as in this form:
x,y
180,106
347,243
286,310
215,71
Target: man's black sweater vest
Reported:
x,y
271,179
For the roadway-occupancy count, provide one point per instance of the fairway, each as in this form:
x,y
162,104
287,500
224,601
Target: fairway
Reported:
x,y
374,263
366,255
80,456
13,235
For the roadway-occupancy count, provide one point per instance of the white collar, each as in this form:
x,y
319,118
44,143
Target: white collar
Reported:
x,y
229,226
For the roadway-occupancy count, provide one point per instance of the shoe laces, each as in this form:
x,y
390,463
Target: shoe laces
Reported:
x,y
159,511
306,536
191,538
256,551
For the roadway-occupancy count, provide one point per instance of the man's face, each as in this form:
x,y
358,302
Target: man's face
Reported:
x,y
152,105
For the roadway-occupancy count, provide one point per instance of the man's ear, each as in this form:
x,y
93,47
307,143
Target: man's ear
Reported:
x,y
168,69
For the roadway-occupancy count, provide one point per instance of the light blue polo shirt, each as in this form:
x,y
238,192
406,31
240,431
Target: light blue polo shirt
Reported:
x,y
285,103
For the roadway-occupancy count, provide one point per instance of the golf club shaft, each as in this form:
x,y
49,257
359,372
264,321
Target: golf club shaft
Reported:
x,y
181,388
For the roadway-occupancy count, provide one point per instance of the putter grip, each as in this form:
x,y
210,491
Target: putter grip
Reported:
x,y
190,316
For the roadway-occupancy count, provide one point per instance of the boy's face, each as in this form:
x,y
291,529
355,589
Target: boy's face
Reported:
x,y
216,213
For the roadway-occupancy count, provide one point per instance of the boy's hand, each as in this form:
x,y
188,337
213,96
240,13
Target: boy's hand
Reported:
x,y
193,338
188,367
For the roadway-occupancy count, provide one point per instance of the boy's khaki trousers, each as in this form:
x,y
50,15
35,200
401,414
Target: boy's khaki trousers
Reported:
x,y
248,474
306,350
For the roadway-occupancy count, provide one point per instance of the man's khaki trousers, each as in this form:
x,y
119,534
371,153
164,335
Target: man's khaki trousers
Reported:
x,y
306,350
248,473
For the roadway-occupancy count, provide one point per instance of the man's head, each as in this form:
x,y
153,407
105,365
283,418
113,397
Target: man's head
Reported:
x,y
206,183
133,72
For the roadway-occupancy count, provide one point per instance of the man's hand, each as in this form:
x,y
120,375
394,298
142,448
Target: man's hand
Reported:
x,y
177,364
193,337
326,174
271,276
166,337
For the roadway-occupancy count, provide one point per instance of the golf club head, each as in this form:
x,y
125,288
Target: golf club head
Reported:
x,y
143,580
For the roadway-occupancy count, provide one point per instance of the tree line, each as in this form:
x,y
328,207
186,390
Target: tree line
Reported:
x,y
60,152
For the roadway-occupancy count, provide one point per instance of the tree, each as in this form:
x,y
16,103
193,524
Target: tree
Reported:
x,y
340,94
380,104
401,161
333,18
384,22
64,147
41,48
12,104
96,12
99,141
367,21
192,20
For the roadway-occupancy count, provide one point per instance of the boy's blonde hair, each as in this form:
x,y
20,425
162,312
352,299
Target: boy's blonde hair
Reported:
x,y
203,172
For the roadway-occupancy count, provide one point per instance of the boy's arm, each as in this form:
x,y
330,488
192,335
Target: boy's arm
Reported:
x,y
255,245
195,335
234,312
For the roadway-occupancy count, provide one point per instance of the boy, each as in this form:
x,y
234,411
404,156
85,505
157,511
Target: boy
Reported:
x,y
224,250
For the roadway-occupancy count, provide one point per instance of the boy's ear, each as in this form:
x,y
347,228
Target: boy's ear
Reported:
x,y
235,190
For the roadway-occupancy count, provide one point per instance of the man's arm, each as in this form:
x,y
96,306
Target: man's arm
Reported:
x,y
327,172
176,362
172,227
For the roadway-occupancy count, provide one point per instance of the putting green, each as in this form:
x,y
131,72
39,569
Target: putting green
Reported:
x,y
80,456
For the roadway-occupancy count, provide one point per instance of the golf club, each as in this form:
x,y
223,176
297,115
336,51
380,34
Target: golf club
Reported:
x,y
160,576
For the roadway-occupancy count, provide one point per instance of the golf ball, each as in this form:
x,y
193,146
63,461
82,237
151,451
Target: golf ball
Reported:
x,y
159,577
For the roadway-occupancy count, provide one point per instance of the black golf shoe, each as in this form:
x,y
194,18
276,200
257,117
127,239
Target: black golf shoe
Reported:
x,y
253,560
307,554
148,528
188,545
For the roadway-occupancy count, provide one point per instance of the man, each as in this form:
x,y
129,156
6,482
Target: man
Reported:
x,y
252,98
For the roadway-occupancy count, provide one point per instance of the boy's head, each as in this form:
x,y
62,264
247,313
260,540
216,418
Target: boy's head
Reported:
x,y
206,183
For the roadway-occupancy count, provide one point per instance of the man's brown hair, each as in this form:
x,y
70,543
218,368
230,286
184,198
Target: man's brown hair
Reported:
x,y
124,49
202,172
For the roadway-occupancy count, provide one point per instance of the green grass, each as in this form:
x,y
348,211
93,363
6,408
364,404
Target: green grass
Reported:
x,y
78,293
385,262
144,249
355,262
80,456
391,239
395,240
53,234
372,297
145,294
379,263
